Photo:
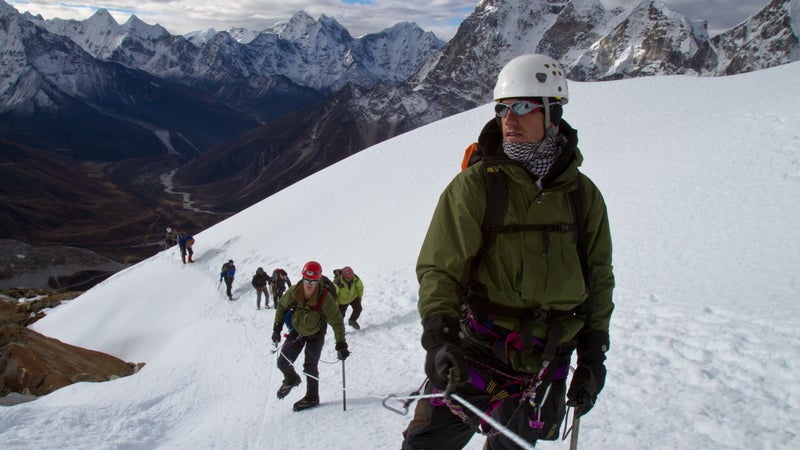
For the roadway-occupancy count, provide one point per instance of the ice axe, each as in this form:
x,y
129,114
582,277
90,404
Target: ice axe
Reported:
x,y
344,390
576,426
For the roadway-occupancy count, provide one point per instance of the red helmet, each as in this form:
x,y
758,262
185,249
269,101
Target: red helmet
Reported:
x,y
312,271
347,272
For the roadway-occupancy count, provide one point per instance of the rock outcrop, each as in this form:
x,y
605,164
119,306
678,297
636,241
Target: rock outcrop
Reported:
x,y
32,364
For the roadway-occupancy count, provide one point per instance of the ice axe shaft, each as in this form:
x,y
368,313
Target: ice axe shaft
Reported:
x,y
576,425
344,390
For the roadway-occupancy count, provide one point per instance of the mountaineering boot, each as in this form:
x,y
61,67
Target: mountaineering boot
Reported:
x,y
354,324
190,258
305,403
288,384
312,395
183,258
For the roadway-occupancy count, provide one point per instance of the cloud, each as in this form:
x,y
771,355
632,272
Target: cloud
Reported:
x,y
359,16
182,16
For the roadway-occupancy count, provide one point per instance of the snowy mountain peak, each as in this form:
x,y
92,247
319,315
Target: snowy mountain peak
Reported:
x,y
295,28
333,28
140,29
301,27
657,12
243,35
200,37
102,17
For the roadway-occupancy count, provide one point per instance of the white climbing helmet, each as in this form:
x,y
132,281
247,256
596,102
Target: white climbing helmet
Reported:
x,y
532,76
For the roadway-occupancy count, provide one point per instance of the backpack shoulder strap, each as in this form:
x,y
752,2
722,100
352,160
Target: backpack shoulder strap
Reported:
x,y
578,208
496,204
328,289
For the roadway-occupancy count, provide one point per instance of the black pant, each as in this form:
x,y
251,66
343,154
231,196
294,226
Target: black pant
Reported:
x,y
276,295
356,313
229,284
435,426
291,349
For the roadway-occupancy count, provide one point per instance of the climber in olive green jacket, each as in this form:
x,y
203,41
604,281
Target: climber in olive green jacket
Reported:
x,y
518,271
307,308
500,325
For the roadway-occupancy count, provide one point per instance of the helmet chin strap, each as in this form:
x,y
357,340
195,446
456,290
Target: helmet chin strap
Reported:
x,y
550,129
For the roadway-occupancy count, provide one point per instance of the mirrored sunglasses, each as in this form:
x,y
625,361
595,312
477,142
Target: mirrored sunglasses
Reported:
x,y
520,108
310,282
310,273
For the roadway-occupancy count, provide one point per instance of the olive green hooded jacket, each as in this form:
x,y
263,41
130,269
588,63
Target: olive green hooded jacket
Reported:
x,y
308,318
518,270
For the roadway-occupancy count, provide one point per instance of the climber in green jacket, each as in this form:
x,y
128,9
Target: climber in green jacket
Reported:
x,y
502,318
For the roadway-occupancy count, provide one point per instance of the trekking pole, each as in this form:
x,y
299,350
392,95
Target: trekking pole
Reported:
x,y
576,425
344,390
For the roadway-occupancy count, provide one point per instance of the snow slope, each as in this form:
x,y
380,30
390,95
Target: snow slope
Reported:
x,y
701,177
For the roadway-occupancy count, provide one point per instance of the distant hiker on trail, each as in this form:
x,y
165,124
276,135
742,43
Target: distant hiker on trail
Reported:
x,y
227,273
260,280
515,275
171,238
349,290
186,241
311,309
278,284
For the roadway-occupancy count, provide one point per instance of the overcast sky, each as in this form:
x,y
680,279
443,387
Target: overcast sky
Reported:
x,y
358,16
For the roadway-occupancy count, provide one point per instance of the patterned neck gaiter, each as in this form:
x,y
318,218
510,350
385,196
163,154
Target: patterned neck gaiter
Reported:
x,y
537,157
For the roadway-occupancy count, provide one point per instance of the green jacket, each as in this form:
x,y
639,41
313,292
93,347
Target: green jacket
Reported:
x,y
347,292
308,318
517,271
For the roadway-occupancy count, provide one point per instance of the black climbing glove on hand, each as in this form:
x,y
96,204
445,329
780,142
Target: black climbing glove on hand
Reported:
x,y
590,376
440,339
276,333
341,351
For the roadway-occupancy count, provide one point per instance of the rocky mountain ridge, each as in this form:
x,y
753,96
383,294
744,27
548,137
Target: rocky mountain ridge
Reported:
x,y
296,62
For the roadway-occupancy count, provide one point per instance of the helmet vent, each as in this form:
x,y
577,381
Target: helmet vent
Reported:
x,y
541,77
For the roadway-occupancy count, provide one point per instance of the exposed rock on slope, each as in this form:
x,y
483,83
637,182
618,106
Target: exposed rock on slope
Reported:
x,y
32,364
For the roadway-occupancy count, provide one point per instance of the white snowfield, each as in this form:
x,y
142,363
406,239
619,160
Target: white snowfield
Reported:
x,y
702,181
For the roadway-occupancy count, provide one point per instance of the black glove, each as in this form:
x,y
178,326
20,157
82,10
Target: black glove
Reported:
x,y
276,333
440,339
341,351
590,376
